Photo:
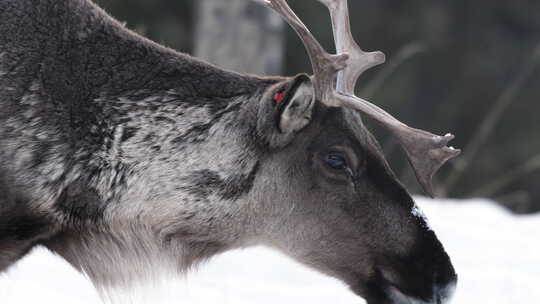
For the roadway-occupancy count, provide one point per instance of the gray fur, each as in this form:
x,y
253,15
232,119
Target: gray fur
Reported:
x,y
129,159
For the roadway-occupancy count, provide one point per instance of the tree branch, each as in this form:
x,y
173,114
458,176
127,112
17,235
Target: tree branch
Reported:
x,y
487,125
404,54
526,168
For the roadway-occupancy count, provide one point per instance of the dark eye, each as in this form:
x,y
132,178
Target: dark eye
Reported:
x,y
336,160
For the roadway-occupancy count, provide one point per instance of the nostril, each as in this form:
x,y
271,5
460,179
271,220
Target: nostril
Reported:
x,y
444,278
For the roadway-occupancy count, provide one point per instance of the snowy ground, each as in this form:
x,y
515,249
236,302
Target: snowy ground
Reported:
x,y
496,255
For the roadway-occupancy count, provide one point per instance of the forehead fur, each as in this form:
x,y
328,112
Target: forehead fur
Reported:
x,y
343,126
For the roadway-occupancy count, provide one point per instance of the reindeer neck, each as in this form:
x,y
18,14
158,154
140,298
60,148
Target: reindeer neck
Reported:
x,y
115,108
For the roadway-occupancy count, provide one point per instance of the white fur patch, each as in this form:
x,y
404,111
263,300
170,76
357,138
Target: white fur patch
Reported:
x,y
417,212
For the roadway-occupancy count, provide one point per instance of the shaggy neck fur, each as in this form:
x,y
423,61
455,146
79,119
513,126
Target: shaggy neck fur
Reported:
x,y
145,155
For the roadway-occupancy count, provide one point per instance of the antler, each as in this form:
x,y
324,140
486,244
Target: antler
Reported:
x,y
425,151
325,65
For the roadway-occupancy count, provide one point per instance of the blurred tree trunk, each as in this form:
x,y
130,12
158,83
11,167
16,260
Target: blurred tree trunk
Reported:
x,y
239,35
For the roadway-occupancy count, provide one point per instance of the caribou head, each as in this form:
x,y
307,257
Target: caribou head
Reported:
x,y
347,214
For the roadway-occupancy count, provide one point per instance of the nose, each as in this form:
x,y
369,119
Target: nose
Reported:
x,y
424,276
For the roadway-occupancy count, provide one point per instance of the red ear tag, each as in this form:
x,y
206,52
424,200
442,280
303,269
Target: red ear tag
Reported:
x,y
278,97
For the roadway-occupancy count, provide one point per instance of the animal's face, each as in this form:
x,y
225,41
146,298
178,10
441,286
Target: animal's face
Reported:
x,y
339,207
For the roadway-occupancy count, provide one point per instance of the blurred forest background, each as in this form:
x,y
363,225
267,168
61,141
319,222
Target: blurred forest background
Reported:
x,y
466,67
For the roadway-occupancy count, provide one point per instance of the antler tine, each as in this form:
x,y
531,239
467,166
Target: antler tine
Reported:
x,y
325,65
345,43
425,151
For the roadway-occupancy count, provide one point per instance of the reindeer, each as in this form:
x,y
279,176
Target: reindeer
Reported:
x,y
129,159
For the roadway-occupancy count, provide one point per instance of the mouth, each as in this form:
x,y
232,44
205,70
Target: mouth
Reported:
x,y
441,295
383,292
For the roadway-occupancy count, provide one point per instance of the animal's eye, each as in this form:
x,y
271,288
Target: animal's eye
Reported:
x,y
336,160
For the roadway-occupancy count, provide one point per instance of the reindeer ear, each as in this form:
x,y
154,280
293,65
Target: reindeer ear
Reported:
x,y
287,109
296,106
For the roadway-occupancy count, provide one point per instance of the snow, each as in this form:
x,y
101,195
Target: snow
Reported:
x,y
496,255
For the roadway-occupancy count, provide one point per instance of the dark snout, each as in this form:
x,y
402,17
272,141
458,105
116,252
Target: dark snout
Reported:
x,y
424,276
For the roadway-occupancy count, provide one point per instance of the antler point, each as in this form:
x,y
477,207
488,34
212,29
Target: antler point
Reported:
x,y
378,57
